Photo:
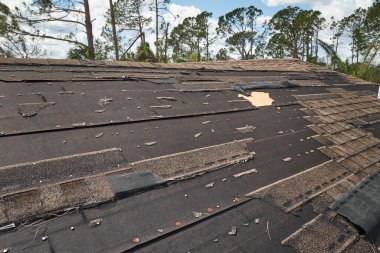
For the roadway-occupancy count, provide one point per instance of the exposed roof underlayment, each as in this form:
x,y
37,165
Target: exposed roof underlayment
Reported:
x,y
240,156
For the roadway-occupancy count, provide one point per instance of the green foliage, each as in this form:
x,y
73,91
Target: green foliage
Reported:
x,y
298,29
79,52
8,22
241,30
222,55
144,53
275,47
189,39
354,25
129,17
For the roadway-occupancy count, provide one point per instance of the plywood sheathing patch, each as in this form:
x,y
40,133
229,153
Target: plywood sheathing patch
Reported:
x,y
323,235
258,99
292,192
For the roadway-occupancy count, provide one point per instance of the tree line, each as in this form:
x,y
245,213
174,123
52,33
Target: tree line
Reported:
x,y
291,32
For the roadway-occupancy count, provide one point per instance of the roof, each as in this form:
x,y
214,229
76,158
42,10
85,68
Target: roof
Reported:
x,y
239,156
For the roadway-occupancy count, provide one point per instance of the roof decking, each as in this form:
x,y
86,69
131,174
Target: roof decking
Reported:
x,y
117,156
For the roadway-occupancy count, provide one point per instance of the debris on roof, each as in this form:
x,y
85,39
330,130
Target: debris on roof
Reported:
x,y
150,157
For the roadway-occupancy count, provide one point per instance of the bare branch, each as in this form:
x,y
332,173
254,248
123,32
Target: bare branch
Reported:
x,y
44,36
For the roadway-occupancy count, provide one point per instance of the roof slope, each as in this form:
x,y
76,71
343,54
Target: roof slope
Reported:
x,y
235,156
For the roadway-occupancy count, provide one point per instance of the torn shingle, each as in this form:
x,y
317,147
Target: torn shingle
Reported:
x,y
322,235
31,109
290,193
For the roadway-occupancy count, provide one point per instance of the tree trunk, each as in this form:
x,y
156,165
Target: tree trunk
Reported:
x,y
90,36
295,49
157,10
207,45
143,35
316,46
357,56
166,43
352,50
115,42
243,50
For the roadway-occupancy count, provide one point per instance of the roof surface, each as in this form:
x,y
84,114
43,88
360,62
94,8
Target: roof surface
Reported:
x,y
241,156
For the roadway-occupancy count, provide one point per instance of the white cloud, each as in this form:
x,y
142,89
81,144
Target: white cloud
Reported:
x,y
337,8
176,14
58,49
328,8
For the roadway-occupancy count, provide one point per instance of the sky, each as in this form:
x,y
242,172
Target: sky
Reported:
x,y
187,8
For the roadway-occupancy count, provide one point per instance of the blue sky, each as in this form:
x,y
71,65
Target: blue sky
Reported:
x,y
221,7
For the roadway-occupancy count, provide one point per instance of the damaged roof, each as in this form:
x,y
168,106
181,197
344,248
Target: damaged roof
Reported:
x,y
238,156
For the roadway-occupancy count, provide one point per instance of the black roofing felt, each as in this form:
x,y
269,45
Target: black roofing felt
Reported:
x,y
126,124
362,204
